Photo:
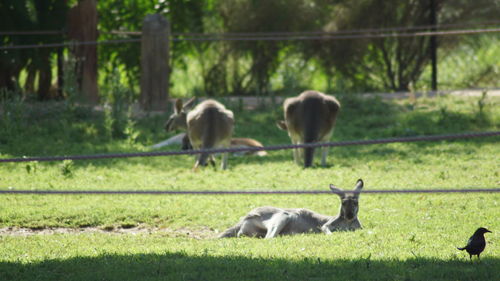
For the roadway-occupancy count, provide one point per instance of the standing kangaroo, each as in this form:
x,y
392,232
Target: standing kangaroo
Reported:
x,y
310,117
269,222
208,125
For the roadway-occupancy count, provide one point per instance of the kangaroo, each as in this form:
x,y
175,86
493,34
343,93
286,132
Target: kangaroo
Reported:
x,y
235,142
208,125
309,117
269,222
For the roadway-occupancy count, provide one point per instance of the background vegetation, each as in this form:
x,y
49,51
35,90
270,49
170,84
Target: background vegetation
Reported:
x,y
263,67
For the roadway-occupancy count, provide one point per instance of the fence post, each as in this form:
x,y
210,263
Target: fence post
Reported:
x,y
155,69
433,45
83,27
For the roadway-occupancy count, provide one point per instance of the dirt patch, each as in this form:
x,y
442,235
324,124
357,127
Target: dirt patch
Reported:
x,y
202,233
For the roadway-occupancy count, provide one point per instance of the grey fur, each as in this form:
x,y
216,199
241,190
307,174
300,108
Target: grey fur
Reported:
x,y
269,222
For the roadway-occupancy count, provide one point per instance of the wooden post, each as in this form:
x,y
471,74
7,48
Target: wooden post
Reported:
x,y
83,27
155,70
433,45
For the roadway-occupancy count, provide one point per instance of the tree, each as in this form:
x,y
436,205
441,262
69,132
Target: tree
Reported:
x,y
29,15
128,15
395,62
254,16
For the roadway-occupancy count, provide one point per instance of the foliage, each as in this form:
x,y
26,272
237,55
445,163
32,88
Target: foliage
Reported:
x,y
224,68
30,15
471,65
183,16
389,63
117,109
267,16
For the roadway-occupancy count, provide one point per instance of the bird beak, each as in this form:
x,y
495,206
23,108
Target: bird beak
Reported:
x,y
489,231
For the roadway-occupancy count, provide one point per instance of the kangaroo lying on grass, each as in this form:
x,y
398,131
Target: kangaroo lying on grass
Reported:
x,y
309,118
235,142
208,125
269,222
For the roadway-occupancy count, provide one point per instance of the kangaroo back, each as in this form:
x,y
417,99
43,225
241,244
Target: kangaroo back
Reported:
x,y
309,118
210,125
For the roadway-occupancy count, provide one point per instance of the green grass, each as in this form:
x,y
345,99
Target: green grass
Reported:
x,y
405,237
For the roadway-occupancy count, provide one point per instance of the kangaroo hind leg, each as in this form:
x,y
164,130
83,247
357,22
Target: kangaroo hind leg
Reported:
x,y
250,229
276,224
324,153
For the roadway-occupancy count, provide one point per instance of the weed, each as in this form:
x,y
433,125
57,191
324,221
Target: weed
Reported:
x,y
66,167
31,167
71,89
117,118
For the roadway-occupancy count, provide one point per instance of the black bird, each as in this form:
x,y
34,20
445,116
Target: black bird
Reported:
x,y
476,243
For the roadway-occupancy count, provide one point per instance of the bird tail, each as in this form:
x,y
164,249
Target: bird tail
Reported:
x,y
461,249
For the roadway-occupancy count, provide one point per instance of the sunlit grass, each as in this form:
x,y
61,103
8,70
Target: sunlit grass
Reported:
x,y
405,237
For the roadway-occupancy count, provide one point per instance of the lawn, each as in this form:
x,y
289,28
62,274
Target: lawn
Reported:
x,y
159,237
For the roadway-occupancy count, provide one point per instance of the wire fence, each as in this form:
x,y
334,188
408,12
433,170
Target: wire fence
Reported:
x,y
254,149
277,147
350,31
243,192
272,36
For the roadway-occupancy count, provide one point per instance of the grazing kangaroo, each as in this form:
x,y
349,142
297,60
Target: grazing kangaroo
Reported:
x,y
269,222
309,118
208,125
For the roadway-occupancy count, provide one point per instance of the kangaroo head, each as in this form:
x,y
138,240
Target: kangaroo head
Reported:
x,y
349,207
178,119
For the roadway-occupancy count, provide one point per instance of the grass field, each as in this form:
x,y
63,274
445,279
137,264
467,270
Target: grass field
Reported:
x,y
105,237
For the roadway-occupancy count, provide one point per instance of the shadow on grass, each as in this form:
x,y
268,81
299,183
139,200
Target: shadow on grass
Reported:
x,y
179,266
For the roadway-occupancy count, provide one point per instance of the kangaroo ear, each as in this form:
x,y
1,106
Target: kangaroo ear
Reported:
x,y
189,102
178,106
358,187
282,125
337,191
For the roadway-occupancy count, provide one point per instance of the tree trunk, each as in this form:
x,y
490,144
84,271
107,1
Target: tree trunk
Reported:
x,y
83,27
155,70
45,77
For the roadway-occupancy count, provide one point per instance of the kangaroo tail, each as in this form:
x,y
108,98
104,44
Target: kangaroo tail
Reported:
x,y
311,131
308,156
230,232
208,141
239,142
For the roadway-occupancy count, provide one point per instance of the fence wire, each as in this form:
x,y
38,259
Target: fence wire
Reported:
x,y
242,192
349,31
263,192
255,149
326,36
263,37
